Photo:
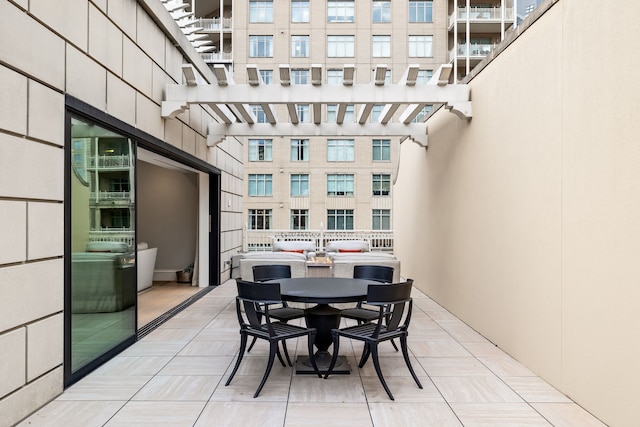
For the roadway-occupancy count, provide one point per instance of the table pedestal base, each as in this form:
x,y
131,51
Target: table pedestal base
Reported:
x,y
323,360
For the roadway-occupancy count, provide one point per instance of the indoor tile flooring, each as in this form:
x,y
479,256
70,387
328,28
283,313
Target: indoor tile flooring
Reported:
x,y
175,376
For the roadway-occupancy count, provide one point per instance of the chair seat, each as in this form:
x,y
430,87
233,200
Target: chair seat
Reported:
x,y
282,330
286,313
362,314
363,332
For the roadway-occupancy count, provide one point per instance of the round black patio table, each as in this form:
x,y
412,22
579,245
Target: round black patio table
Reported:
x,y
323,291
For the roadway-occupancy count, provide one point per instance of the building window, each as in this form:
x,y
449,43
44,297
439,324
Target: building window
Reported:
x,y
350,114
340,219
257,110
340,150
299,46
340,184
422,115
300,77
423,77
340,46
299,219
381,184
381,150
340,11
299,10
267,76
260,11
334,77
381,10
261,46
299,150
260,184
260,150
304,113
259,219
376,111
381,219
420,46
300,185
420,11
381,46
332,113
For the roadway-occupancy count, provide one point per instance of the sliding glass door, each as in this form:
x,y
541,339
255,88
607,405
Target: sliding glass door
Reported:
x,y
102,242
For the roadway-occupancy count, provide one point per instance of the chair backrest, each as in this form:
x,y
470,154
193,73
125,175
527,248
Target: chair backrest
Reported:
x,y
262,273
392,299
250,296
379,273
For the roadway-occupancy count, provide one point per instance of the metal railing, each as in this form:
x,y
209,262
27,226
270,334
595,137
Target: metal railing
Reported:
x,y
216,56
262,240
473,50
121,235
111,196
213,24
485,13
121,161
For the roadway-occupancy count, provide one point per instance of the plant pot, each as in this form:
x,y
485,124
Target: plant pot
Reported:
x,y
184,276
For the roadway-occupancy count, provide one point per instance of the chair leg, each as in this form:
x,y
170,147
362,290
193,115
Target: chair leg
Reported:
x,y
243,344
286,353
280,355
252,343
405,354
273,348
334,358
312,359
376,364
365,355
394,344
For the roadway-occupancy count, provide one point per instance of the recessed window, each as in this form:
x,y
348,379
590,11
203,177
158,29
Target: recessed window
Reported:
x,y
300,76
340,184
381,10
334,77
260,150
381,149
299,46
260,184
419,118
260,11
420,46
381,184
261,46
299,185
299,150
381,219
381,46
261,116
299,219
376,111
340,150
340,11
420,11
299,10
423,77
340,46
340,219
304,113
267,76
259,219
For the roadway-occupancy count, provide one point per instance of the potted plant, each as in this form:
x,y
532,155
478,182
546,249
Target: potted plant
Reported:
x,y
186,275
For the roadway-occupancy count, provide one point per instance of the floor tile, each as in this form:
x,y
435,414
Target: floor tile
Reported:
x,y
102,387
245,414
336,388
403,389
152,414
340,414
243,387
197,365
175,387
498,415
398,414
567,415
74,413
453,366
535,389
478,389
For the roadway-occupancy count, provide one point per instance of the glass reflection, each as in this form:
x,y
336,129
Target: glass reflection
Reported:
x,y
103,279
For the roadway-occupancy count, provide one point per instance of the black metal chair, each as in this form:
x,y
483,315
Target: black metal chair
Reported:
x,y
284,313
250,296
379,273
391,324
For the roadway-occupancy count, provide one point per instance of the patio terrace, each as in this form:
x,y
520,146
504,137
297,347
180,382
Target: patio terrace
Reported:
x,y
175,376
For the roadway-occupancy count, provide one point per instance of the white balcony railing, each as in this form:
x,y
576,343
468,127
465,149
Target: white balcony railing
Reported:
x,y
110,162
473,50
210,57
262,240
122,235
111,196
214,24
485,13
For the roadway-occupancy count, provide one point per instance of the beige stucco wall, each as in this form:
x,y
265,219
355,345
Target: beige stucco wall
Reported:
x,y
527,223
112,55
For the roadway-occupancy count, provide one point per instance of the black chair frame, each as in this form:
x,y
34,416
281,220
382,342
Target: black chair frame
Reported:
x,y
390,324
250,296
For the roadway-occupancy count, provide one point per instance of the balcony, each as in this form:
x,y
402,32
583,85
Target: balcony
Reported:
x,y
122,235
482,19
111,197
261,240
475,52
217,57
110,162
213,24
